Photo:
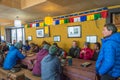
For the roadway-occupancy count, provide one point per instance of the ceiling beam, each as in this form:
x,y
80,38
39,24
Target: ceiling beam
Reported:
x,y
11,3
29,3
21,4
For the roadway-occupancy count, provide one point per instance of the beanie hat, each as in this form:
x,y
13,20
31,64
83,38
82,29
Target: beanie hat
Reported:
x,y
52,50
46,46
18,45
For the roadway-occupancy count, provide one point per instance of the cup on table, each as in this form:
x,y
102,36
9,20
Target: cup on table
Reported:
x,y
69,58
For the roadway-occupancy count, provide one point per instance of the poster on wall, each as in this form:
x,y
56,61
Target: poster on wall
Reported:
x,y
56,38
29,38
91,39
47,31
40,33
74,31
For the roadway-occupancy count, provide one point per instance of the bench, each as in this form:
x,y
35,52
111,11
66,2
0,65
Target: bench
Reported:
x,y
5,74
29,75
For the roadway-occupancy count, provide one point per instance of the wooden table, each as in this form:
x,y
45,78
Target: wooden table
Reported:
x,y
77,72
29,75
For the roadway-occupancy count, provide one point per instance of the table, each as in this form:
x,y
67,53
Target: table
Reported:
x,y
29,75
77,72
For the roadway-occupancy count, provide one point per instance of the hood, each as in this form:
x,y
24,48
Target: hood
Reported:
x,y
12,48
115,37
48,58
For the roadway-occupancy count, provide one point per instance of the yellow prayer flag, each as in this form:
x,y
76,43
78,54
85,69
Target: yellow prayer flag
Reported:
x,y
88,17
25,25
92,16
46,30
61,21
41,24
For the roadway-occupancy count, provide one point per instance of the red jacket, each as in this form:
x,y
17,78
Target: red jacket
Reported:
x,y
86,53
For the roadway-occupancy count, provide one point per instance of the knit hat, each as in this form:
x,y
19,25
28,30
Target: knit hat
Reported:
x,y
46,46
52,50
18,45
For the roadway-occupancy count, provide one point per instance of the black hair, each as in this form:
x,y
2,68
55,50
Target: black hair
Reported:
x,y
98,44
55,44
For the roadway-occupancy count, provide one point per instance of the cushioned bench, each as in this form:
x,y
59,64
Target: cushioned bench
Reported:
x,y
29,75
4,74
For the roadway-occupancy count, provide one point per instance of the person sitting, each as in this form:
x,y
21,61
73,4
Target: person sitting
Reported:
x,y
51,66
86,53
60,53
32,49
39,56
26,47
96,51
43,43
4,47
14,42
3,52
74,50
12,57
36,49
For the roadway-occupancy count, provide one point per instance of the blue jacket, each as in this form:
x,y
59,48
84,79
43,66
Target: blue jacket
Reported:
x,y
50,68
11,59
109,58
26,47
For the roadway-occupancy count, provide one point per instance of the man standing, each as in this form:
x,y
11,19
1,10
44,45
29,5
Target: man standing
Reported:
x,y
108,63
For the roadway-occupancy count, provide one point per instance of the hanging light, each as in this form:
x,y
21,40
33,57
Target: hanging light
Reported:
x,y
48,20
17,22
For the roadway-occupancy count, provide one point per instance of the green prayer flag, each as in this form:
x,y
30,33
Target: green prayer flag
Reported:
x,y
97,16
44,24
66,20
28,25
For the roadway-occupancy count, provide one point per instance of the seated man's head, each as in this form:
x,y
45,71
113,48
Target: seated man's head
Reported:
x,y
97,46
26,42
86,45
74,44
32,45
14,41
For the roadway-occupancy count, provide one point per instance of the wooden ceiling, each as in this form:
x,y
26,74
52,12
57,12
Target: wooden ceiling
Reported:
x,y
30,10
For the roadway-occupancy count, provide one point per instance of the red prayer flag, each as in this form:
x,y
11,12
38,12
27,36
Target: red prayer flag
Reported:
x,y
104,14
71,19
30,25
